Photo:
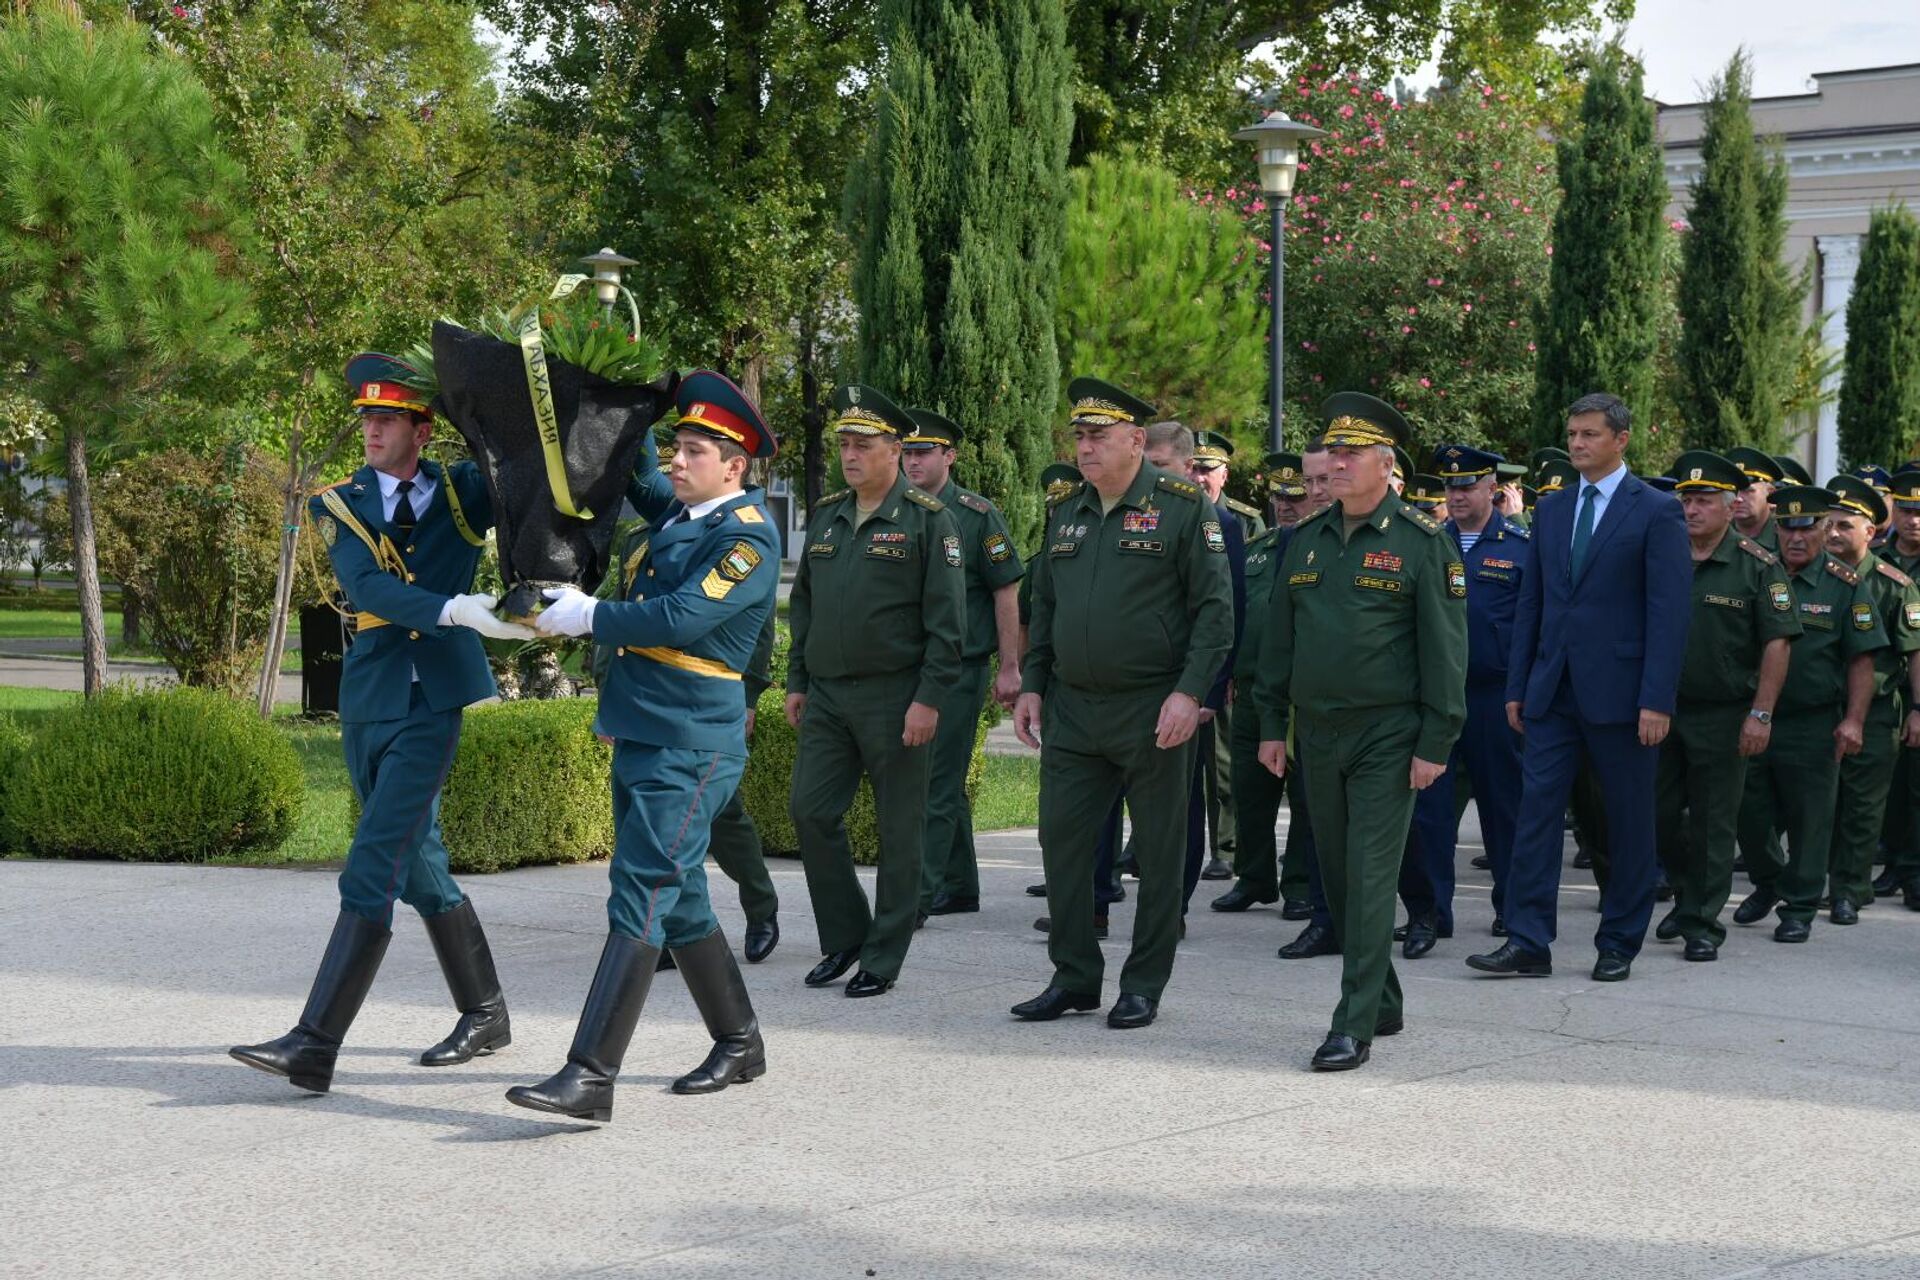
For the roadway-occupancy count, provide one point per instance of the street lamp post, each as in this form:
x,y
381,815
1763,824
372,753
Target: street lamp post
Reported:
x,y
607,267
1277,142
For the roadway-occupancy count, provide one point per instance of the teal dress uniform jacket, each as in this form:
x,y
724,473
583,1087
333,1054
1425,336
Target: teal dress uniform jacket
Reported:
x,y
377,675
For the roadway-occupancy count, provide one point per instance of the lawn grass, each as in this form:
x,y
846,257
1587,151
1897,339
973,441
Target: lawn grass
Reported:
x,y
44,624
1009,794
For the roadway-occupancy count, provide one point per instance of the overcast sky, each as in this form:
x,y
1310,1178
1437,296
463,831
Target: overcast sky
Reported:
x,y
1685,41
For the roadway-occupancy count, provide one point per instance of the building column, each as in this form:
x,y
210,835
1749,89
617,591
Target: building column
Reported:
x,y
1839,259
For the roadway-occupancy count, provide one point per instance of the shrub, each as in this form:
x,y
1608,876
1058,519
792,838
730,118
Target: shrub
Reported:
x,y
530,784
171,775
14,742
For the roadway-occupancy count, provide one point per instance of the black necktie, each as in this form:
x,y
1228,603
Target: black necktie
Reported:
x,y
403,517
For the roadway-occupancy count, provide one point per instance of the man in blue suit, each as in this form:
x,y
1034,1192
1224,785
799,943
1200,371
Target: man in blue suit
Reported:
x,y
404,537
695,598
1599,632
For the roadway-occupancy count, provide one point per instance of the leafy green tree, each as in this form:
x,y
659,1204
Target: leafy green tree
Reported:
x,y
122,230
1741,339
1599,323
962,208
1164,295
1880,390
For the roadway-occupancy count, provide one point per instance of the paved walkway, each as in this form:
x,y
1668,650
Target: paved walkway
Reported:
x,y
1757,1116
49,670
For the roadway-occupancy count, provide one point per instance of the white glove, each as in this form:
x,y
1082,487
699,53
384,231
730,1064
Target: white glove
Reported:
x,y
477,612
569,614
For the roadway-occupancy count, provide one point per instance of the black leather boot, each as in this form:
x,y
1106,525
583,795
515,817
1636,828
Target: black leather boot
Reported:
x,y
583,1089
467,962
719,992
305,1055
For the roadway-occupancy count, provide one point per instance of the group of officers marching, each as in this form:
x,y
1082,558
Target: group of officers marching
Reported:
x,y
1176,656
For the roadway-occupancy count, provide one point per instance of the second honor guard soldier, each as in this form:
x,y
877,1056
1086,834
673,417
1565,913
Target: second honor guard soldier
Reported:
x,y
1743,623
950,880
878,614
699,592
404,536
1132,621
1364,655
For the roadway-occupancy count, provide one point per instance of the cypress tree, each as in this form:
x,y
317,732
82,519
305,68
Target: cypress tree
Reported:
x,y
1739,304
1599,327
962,202
1880,392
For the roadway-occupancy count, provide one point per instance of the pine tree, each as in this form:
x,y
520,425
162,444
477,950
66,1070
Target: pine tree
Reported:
x,y
1880,391
1598,329
962,204
121,228
1739,305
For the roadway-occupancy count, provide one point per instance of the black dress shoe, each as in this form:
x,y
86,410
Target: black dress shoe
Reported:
x,y
1886,882
1844,912
1053,1002
1045,925
1662,891
1296,909
1127,866
1131,1011
1216,870
1499,929
1612,967
831,967
1421,935
1340,1053
1701,949
865,984
1756,906
1400,932
762,938
1239,898
1037,890
920,920
953,904
1582,860
1314,940
1481,862
1669,927
1792,931
1512,961
1390,1026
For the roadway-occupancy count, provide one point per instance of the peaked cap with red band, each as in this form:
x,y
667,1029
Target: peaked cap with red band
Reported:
x,y
380,384
710,405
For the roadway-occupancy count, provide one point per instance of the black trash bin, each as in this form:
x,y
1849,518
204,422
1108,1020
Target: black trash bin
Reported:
x,y
323,642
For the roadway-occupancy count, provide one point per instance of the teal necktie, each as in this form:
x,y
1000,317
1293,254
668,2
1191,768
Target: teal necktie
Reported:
x,y
1583,528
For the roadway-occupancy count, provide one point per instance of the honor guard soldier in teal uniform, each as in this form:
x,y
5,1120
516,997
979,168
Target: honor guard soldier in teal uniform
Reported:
x,y
1820,719
1753,514
1132,622
404,536
950,880
1364,657
878,618
1743,624
698,593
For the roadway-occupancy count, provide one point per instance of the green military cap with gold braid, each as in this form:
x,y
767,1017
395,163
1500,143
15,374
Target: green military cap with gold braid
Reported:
x,y
1557,474
1704,471
1858,497
1211,449
932,431
1758,466
1429,493
1286,475
1791,469
1356,420
1800,506
1101,404
866,412
1904,490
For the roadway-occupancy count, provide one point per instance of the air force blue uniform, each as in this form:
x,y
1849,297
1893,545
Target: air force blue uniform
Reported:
x,y
405,679
695,596
1488,748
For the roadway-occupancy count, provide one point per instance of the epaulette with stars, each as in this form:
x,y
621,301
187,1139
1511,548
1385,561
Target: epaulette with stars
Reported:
x,y
925,499
1843,573
1421,520
1898,577
833,497
1185,488
1240,508
1758,552
974,502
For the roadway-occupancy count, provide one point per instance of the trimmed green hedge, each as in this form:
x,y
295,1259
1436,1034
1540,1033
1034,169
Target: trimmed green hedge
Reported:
x,y
530,784
167,775
14,741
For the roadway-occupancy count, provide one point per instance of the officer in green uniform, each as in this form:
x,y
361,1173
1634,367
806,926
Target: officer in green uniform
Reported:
x,y
734,841
1753,514
950,881
1427,495
404,536
1132,622
1212,458
1212,452
1743,622
1901,830
1820,718
1509,495
1792,471
1257,794
1867,778
1364,656
878,614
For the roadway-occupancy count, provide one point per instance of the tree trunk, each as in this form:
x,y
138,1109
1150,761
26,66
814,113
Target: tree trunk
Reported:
x,y
86,564
291,511
129,618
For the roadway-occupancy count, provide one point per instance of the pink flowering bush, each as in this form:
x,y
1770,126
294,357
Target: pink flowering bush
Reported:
x,y
1416,243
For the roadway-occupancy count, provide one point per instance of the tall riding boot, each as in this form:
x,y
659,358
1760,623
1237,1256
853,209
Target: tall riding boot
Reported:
x,y
714,982
305,1055
468,964
583,1089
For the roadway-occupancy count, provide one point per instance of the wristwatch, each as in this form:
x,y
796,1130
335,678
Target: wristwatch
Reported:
x,y
1764,717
